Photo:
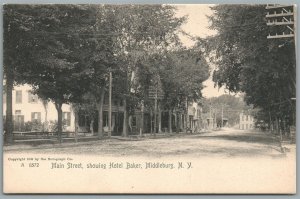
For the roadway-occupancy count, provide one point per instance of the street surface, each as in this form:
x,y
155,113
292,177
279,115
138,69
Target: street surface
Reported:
x,y
225,161
225,143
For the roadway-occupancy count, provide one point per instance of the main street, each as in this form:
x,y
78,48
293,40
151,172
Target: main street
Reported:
x,y
223,143
224,161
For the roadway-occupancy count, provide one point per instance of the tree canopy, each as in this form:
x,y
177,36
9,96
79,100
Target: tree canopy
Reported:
x,y
67,51
246,61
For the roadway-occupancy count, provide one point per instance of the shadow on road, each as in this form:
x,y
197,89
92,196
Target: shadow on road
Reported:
x,y
248,137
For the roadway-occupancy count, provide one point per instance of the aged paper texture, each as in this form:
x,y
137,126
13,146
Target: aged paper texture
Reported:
x,y
149,99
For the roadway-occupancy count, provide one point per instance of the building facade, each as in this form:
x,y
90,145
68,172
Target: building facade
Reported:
x,y
246,121
30,113
29,108
195,122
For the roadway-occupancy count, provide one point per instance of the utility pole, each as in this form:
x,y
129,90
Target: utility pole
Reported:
x,y
222,117
142,122
109,114
215,116
187,114
281,20
155,109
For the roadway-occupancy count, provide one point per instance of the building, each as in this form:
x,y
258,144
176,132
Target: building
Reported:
x,y
28,109
30,113
246,121
195,122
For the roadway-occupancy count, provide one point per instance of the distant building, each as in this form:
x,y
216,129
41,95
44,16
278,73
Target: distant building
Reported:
x,y
195,117
246,121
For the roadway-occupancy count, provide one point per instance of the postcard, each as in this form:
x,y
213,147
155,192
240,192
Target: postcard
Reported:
x,y
149,99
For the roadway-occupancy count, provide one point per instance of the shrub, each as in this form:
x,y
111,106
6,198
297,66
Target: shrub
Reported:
x,y
33,126
52,126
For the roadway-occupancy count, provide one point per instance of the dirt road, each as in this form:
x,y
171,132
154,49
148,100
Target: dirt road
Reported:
x,y
225,143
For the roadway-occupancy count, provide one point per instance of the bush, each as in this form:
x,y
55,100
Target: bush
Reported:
x,y
53,126
33,126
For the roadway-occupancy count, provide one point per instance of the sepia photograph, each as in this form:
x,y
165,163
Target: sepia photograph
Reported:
x,y
149,98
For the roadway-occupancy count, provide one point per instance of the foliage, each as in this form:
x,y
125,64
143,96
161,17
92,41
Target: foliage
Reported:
x,y
53,126
264,69
67,51
58,50
232,107
33,126
146,30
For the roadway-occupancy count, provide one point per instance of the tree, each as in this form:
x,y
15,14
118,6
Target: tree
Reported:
x,y
142,30
264,69
11,58
50,38
181,73
232,107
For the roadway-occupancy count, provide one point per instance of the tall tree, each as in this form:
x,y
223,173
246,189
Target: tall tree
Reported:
x,y
249,62
52,36
181,73
142,30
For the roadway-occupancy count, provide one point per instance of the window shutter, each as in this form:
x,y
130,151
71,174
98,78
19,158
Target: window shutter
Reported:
x,y
32,116
39,116
18,97
29,97
69,118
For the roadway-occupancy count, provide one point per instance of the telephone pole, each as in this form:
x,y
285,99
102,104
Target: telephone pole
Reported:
x,y
222,116
281,20
155,109
109,114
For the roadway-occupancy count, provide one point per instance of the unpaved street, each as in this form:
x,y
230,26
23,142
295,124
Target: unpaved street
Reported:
x,y
225,143
225,161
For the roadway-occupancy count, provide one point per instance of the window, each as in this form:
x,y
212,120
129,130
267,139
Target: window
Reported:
x,y
105,118
116,102
17,112
32,98
82,120
36,116
4,98
18,97
134,121
67,118
105,100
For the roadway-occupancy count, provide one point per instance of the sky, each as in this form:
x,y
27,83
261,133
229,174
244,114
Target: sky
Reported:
x,y
197,25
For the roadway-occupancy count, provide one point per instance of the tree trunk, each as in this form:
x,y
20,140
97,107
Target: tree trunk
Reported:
x,y
9,116
92,126
125,120
170,121
151,123
45,126
180,121
46,120
142,121
76,125
278,128
176,122
270,122
100,112
186,115
159,119
58,106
